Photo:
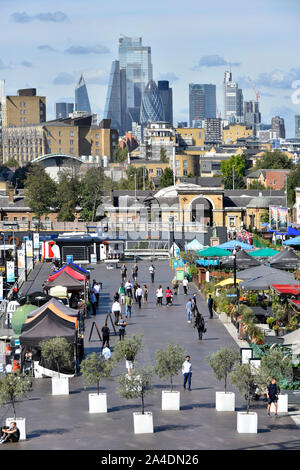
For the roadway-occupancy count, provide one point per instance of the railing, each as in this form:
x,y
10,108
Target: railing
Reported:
x,y
149,227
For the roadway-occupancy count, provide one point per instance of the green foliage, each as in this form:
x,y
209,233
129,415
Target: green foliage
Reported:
x,y
246,313
120,155
40,191
289,385
12,162
276,363
163,155
166,178
128,348
256,185
129,182
271,321
274,160
56,351
239,164
293,323
222,363
293,182
68,197
94,368
136,385
280,312
91,188
193,270
12,388
244,380
19,176
169,362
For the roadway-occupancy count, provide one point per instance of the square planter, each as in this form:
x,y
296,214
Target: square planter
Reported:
x,y
170,401
143,423
247,422
60,386
225,401
97,403
282,404
21,424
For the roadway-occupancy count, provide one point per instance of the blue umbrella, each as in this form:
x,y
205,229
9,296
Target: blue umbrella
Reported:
x,y
292,241
232,243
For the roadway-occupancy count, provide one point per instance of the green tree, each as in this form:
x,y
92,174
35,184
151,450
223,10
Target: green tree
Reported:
x,y
243,378
56,352
40,191
292,183
234,169
12,162
169,362
256,185
94,368
91,191
128,348
274,160
222,363
131,180
19,176
120,154
276,363
68,197
12,388
166,178
163,155
136,385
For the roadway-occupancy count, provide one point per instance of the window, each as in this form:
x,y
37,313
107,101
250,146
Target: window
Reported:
x,y
97,144
274,182
231,221
184,172
185,164
59,141
59,133
158,171
71,150
150,170
96,136
71,133
71,142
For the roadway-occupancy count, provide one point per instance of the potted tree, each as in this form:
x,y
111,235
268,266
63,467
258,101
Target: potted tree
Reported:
x,y
137,385
243,378
94,368
56,352
12,388
168,364
128,350
222,363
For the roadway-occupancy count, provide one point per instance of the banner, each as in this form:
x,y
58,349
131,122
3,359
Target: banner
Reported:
x,y
29,252
21,258
282,219
273,217
1,287
36,241
10,271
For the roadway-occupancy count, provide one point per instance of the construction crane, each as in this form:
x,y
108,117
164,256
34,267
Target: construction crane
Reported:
x,y
254,89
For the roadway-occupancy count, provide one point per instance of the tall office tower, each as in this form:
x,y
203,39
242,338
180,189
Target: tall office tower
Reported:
x,y
82,102
167,99
212,130
233,99
202,102
23,109
152,106
297,126
115,105
278,125
135,60
62,110
252,116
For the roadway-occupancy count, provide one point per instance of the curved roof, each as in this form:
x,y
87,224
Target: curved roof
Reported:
x,y
259,202
172,191
56,155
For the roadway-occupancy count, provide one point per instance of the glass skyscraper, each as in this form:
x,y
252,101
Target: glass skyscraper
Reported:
x,y
202,102
233,99
297,126
82,102
151,106
62,110
167,99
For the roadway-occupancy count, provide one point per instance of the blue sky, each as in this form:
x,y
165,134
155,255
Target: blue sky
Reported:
x,y
48,45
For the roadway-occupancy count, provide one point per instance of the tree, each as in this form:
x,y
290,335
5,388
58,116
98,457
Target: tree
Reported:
x,y
243,378
274,160
163,155
120,154
276,364
167,178
128,348
12,162
256,185
56,352
12,388
91,190
40,191
19,176
94,368
136,385
236,175
169,362
132,180
292,183
222,363
68,197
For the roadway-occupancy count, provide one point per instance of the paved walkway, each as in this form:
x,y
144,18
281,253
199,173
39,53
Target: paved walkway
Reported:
x,y
65,423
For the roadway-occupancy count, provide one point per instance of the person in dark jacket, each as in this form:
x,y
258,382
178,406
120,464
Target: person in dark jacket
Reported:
x,y
272,391
210,304
105,335
199,324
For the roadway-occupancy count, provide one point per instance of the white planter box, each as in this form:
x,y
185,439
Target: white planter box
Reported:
x,y
225,401
170,400
143,423
247,422
21,424
282,404
60,386
224,317
97,403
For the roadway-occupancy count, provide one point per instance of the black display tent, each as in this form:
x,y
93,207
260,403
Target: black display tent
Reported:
x,y
37,298
285,259
243,261
65,280
45,326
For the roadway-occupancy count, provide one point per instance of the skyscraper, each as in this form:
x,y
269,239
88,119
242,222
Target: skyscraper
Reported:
x,y
233,99
62,110
152,106
297,126
167,99
82,102
202,102
252,116
278,125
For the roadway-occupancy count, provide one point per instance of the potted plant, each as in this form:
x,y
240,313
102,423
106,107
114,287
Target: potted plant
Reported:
x,y
56,352
94,368
128,350
222,363
271,321
245,381
137,385
12,388
168,364
276,328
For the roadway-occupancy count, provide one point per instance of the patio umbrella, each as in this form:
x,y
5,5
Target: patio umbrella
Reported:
x,y
264,253
213,252
230,245
227,282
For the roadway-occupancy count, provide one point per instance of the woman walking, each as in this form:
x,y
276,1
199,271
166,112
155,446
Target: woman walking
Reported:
x,y
159,295
200,325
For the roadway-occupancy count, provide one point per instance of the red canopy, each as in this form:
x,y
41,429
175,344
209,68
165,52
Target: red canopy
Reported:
x,y
286,289
294,302
70,271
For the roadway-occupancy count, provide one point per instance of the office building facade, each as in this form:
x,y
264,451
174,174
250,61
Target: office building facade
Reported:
x,y
213,130
252,116
233,99
297,126
151,106
202,102
278,125
24,109
166,95
82,102
62,110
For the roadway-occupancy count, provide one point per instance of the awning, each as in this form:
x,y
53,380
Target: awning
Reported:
x,y
213,252
227,282
295,303
286,289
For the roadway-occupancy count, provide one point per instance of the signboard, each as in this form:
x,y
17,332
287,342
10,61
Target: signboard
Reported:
x,y
182,262
69,259
247,354
179,274
175,264
36,241
177,252
278,217
29,252
93,258
21,258
10,271
1,287
171,261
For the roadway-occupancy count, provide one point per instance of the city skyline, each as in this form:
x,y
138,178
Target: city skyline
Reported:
x,y
190,44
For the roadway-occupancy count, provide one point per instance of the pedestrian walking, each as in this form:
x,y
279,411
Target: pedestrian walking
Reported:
x,y
187,373
93,303
134,271
129,362
169,296
159,295
139,295
116,297
116,310
200,325
105,335
128,305
123,272
152,272
189,310
145,295
272,392
128,287
194,307
185,284
175,285
135,286
122,325
122,293
96,290
106,353
210,305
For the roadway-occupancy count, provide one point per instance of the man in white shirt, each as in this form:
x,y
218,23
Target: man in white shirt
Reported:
x,y
128,288
116,310
96,290
187,372
139,295
185,284
152,271
106,353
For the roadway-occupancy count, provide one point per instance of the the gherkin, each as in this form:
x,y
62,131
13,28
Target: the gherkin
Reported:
x,y
151,107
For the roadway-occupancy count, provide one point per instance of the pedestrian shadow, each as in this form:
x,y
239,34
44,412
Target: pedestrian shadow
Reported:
x,y
123,407
197,405
210,339
174,427
45,432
